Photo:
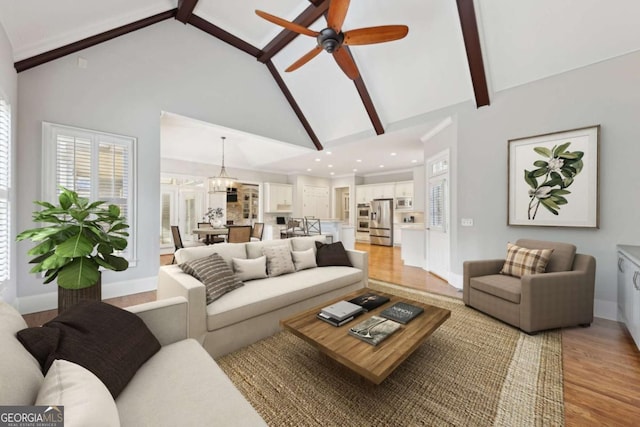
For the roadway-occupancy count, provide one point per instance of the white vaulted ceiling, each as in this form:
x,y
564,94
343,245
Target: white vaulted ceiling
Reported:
x,y
522,41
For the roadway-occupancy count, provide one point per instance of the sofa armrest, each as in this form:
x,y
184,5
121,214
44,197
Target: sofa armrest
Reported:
x,y
167,318
173,282
360,260
479,268
562,298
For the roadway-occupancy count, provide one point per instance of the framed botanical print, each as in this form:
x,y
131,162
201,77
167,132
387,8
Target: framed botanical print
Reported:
x,y
553,179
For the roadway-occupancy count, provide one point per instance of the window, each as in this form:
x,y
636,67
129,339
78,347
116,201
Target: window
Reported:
x,y
437,205
97,165
5,187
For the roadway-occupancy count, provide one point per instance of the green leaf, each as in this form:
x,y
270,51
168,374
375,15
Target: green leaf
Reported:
x,y
78,215
577,166
42,248
114,211
545,203
77,246
533,183
105,249
539,172
80,273
118,243
65,200
44,204
113,262
543,151
570,156
567,182
540,164
560,192
54,261
560,149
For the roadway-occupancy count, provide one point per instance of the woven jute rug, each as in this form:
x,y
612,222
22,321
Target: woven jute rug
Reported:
x,y
473,371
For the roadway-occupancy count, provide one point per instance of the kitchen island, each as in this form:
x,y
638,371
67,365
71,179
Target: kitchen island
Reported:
x,y
413,244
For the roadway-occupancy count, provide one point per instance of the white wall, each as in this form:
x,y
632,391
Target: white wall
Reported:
x,y
607,93
9,91
129,81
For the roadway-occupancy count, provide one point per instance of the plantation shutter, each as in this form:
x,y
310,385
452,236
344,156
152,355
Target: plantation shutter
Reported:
x,y
5,185
437,205
96,165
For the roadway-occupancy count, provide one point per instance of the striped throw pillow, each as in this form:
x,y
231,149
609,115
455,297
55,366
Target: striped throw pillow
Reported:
x,y
521,261
214,272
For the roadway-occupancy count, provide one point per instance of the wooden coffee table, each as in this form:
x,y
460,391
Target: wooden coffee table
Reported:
x,y
375,363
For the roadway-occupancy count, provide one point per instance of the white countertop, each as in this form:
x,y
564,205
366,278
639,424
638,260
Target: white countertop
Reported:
x,y
632,252
411,225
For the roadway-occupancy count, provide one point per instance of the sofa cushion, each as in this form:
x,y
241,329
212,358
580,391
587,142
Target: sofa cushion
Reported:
x,y
502,286
256,249
522,261
331,254
304,259
279,260
265,295
86,400
183,376
304,243
227,251
250,269
109,341
561,258
20,373
214,272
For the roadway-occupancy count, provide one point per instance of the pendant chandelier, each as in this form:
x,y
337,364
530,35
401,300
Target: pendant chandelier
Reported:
x,y
220,183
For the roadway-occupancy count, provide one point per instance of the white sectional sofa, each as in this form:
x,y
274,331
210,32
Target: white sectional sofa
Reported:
x,y
179,385
253,311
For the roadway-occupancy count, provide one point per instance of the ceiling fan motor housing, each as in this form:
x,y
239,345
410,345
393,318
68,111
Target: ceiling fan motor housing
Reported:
x,y
330,40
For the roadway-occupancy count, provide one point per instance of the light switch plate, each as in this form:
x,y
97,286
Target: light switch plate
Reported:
x,y
466,222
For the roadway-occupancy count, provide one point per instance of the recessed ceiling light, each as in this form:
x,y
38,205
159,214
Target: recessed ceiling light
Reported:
x,y
308,169
381,166
359,160
328,152
394,154
355,170
330,166
317,159
332,173
414,161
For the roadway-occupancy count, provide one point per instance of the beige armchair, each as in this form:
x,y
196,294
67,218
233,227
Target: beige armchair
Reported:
x,y
562,296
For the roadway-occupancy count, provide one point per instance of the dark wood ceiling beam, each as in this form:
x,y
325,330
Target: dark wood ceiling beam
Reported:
x,y
471,37
366,100
306,18
185,10
294,105
226,37
45,57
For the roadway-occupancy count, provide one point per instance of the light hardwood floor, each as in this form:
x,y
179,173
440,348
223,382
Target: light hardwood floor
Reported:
x,y
601,363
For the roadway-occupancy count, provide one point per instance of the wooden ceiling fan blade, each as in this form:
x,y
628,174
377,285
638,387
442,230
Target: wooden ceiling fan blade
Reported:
x,y
371,35
306,58
345,61
286,24
337,13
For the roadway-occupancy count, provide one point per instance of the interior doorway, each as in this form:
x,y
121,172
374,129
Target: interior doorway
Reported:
x,y
437,215
342,204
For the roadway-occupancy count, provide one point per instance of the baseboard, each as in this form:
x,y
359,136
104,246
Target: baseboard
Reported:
x,y
605,309
455,280
49,300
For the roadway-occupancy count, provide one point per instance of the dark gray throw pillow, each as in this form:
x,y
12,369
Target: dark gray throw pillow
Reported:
x,y
108,341
331,254
214,272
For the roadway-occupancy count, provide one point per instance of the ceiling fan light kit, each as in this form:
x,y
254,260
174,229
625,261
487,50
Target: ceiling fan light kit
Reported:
x,y
332,38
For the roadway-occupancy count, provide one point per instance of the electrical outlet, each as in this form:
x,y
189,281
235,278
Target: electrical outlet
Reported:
x,y
466,222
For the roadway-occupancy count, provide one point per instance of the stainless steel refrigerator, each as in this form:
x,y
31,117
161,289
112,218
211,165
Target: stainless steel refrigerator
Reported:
x,y
381,222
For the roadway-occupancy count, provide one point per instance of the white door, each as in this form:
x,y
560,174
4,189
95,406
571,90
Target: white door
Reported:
x,y
191,209
437,215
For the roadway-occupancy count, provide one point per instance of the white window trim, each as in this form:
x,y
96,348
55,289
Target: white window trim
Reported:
x,y
49,161
7,194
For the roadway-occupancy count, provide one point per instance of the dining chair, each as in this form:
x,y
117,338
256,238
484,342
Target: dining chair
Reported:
x,y
239,233
256,232
313,226
295,227
178,243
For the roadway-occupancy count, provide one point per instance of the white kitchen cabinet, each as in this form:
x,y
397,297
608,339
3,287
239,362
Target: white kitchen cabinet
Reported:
x,y
278,197
315,201
397,234
404,189
629,289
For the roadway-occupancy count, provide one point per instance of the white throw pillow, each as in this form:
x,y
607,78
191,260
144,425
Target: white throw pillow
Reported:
x,y
86,400
304,259
278,260
249,269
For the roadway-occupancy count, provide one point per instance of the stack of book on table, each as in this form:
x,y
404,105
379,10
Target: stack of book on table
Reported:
x,y
340,313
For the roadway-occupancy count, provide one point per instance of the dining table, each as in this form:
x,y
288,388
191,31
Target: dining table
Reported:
x,y
209,233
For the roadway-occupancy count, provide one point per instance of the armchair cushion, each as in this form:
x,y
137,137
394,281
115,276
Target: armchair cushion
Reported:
x,y
562,257
521,261
500,285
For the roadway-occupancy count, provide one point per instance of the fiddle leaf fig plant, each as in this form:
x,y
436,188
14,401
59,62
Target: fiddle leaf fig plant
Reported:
x,y
80,238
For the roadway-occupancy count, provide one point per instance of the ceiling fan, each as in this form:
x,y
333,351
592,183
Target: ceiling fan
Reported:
x,y
333,38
